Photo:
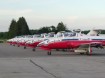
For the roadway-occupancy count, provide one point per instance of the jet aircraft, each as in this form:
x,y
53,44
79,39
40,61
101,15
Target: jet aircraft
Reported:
x,y
80,43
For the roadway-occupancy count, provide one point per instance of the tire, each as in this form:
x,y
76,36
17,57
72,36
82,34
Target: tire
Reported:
x,y
87,53
33,49
57,49
49,53
24,47
18,45
81,53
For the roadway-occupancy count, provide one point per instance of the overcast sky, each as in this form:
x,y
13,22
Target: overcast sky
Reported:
x,y
82,14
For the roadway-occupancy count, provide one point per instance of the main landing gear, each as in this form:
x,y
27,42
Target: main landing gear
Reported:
x,y
24,47
89,52
49,53
18,45
33,49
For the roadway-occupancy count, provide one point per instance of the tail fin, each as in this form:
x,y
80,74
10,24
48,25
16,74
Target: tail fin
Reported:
x,y
94,33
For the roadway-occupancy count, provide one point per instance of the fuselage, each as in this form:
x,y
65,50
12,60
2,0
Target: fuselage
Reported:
x,y
73,42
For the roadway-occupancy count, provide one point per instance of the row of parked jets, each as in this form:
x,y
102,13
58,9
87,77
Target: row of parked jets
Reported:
x,y
72,41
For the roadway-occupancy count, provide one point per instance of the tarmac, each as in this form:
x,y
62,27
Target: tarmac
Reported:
x,y
16,62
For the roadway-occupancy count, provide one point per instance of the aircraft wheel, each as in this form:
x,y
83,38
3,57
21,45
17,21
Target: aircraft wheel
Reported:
x,y
33,49
57,49
65,50
81,53
18,45
49,53
24,47
87,53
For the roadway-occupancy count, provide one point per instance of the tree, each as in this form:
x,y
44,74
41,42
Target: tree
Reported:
x,y
86,31
53,28
34,31
12,29
23,28
18,28
61,27
44,30
102,31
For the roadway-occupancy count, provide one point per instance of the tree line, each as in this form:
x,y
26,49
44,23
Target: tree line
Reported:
x,y
48,29
20,27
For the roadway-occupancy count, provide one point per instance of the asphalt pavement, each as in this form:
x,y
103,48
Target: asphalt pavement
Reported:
x,y
17,62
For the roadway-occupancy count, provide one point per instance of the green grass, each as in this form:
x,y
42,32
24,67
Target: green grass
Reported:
x,y
3,40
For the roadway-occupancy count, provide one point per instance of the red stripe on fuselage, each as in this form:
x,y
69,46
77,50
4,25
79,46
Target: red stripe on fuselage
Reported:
x,y
69,44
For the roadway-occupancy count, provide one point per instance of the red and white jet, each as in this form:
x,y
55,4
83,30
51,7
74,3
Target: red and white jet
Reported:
x,y
81,44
